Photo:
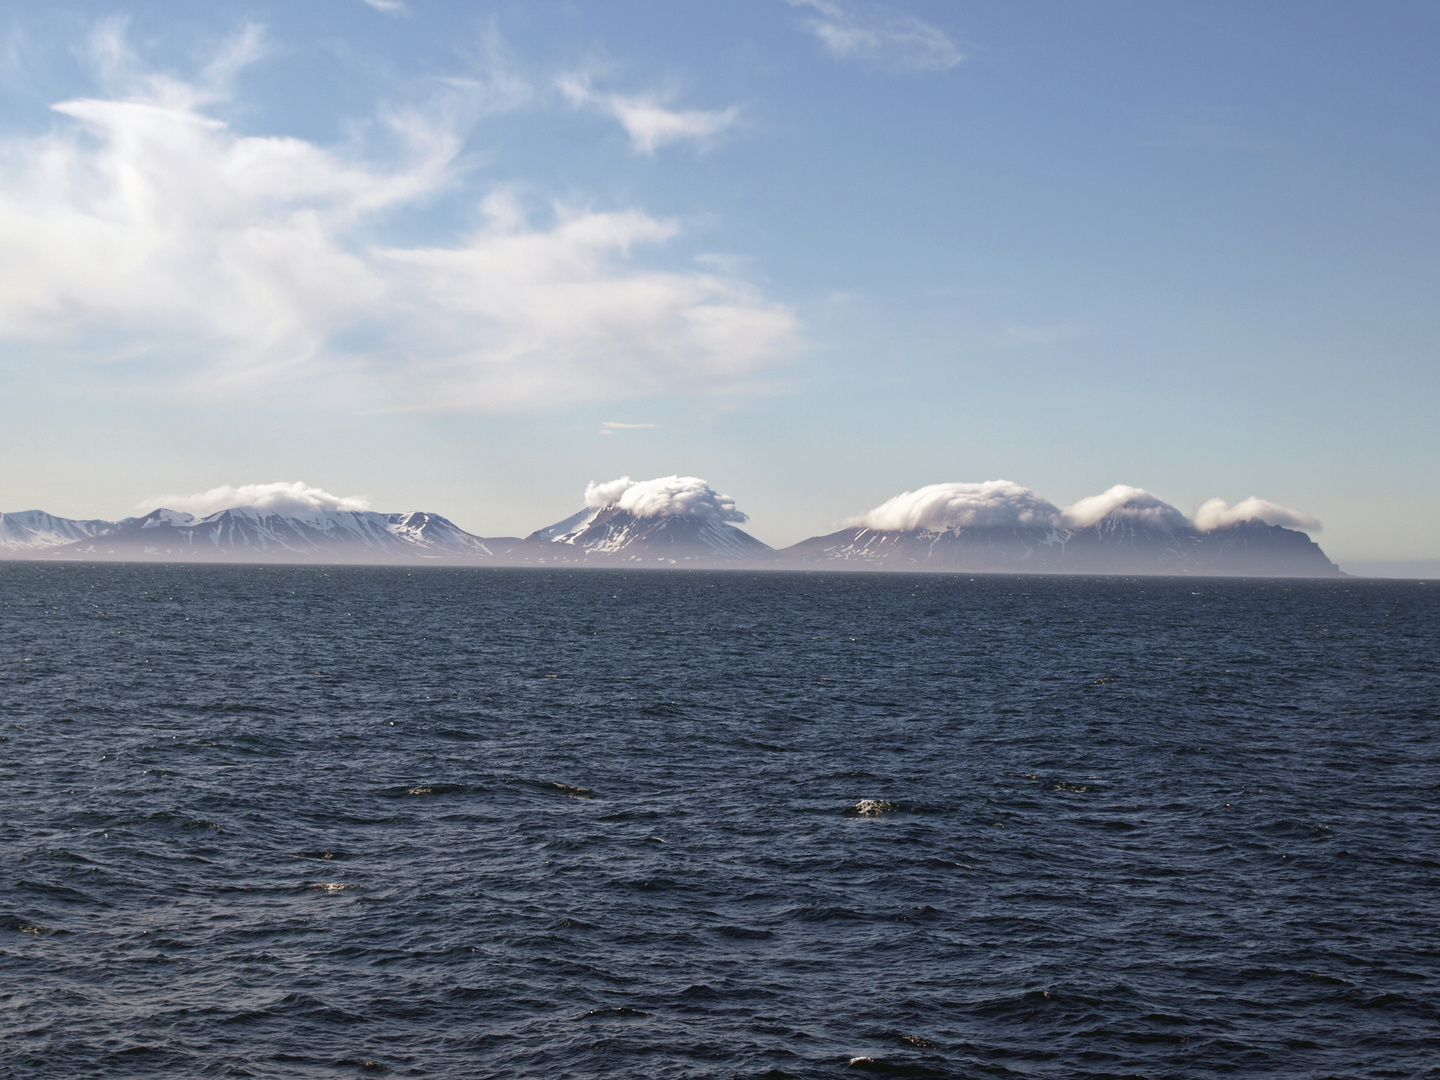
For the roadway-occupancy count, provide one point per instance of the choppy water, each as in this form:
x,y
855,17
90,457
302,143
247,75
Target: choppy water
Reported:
x,y
314,822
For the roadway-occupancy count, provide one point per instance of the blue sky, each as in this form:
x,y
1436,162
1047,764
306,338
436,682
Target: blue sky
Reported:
x,y
434,254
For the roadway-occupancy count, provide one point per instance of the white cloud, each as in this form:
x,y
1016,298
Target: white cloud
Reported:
x,y
242,50
388,7
647,121
937,507
1125,501
143,227
627,427
664,496
296,499
521,315
1217,513
879,36
1003,504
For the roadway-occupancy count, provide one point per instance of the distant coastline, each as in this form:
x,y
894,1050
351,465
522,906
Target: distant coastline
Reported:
x,y
1407,569
675,521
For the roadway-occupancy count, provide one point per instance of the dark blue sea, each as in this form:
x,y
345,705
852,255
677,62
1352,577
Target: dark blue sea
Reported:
x,y
340,822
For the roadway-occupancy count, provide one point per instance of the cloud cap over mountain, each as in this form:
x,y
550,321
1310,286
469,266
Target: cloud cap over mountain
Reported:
x,y
993,503
1005,504
686,496
1125,501
294,498
1217,514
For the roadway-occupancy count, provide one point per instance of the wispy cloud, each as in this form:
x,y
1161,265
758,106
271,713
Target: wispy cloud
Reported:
x,y
123,74
646,119
879,35
142,226
497,82
388,7
14,47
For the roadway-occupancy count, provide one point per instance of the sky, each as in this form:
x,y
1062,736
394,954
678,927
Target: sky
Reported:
x,y
470,258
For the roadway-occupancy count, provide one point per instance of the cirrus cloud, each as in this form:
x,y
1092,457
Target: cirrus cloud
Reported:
x,y
646,119
879,36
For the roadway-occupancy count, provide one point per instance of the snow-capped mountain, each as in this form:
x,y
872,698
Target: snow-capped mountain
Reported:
x,y
990,549
246,534
615,535
35,530
670,520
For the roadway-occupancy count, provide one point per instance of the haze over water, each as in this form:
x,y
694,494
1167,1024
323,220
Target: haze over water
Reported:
x,y
332,822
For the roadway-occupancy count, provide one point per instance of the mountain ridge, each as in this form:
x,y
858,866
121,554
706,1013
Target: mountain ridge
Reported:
x,y
612,535
1113,545
615,535
230,534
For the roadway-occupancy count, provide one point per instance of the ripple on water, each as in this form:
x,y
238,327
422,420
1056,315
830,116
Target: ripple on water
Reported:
x,y
821,825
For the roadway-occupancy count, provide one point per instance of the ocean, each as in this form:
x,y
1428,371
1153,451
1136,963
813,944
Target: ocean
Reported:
x,y
266,821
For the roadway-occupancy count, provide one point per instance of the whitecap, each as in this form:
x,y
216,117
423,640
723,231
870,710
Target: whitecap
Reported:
x,y
873,807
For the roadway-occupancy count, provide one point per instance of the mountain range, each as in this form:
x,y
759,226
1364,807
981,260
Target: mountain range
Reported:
x,y
680,521
241,534
1110,546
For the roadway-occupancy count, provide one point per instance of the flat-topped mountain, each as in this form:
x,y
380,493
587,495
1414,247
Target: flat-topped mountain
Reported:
x,y
1000,527
1250,548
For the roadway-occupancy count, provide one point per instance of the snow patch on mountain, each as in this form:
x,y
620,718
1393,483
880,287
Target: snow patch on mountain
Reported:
x,y
670,519
314,531
613,531
35,530
245,532
566,531
158,519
